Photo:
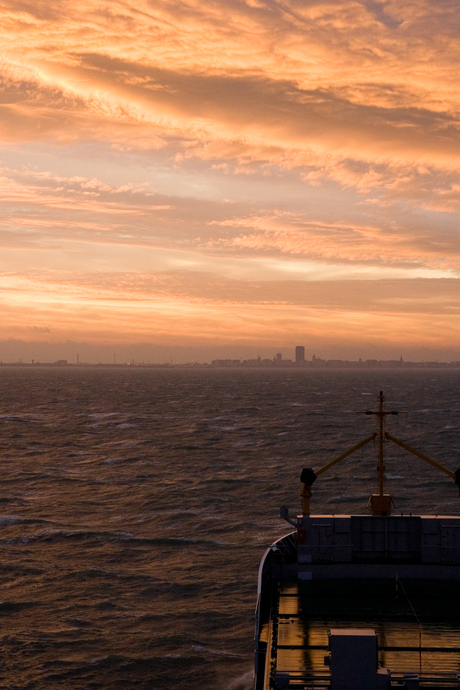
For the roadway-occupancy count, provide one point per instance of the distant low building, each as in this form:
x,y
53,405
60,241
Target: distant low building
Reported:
x,y
226,363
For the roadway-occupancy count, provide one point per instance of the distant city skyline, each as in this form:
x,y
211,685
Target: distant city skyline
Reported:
x,y
74,353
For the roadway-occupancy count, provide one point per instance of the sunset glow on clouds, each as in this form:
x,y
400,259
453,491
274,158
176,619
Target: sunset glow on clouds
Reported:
x,y
241,174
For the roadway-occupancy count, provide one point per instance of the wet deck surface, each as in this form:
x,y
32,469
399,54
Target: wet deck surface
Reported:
x,y
414,635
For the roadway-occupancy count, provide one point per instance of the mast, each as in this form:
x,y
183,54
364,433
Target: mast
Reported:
x,y
381,503
381,459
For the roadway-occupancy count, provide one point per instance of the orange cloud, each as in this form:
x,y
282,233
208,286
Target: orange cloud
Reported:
x,y
176,148
291,234
344,78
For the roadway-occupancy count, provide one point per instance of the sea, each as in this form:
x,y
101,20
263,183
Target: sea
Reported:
x,y
136,504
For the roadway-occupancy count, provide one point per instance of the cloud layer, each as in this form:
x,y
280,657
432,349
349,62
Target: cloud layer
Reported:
x,y
234,171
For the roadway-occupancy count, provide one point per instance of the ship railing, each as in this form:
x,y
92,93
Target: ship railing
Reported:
x,y
287,546
317,681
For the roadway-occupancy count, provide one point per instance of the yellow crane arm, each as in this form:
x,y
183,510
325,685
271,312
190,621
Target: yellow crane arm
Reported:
x,y
346,454
420,455
308,476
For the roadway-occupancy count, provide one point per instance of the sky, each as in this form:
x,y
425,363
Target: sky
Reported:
x,y
190,180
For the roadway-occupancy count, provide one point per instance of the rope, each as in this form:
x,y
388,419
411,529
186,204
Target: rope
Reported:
x,y
398,581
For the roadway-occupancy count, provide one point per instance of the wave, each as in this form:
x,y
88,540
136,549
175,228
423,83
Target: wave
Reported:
x,y
17,418
214,652
7,520
244,682
108,536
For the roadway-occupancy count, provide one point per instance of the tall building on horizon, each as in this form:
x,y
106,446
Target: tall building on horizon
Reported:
x,y
299,354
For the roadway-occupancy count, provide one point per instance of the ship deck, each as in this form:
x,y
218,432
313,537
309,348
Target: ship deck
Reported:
x,y
415,635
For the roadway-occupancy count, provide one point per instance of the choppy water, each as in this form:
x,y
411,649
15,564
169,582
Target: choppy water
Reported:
x,y
135,506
